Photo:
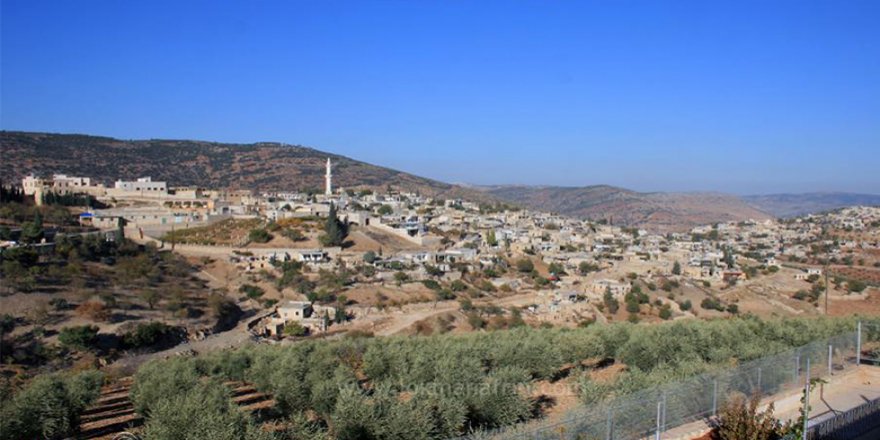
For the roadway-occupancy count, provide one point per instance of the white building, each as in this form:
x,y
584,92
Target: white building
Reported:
x,y
143,185
618,290
59,183
314,318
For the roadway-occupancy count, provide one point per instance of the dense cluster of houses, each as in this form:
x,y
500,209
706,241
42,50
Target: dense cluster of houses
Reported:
x,y
457,236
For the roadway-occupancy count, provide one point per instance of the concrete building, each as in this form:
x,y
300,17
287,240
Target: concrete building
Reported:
x,y
599,287
313,318
143,186
61,184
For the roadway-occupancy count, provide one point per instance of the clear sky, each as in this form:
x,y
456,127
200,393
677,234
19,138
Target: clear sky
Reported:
x,y
737,96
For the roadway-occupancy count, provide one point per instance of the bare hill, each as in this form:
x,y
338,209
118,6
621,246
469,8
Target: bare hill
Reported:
x,y
655,211
261,166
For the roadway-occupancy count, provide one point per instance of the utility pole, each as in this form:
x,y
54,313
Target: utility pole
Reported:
x,y
825,269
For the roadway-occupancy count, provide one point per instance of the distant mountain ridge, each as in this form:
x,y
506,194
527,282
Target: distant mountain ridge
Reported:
x,y
664,212
671,211
793,205
261,166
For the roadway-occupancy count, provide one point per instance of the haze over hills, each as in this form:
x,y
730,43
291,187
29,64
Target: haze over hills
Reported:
x,y
263,166
793,205
670,211
656,211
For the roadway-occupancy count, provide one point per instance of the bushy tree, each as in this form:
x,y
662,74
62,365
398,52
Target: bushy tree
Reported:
x,y
157,380
294,328
32,232
82,337
431,284
525,265
585,267
490,239
335,230
740,419
856,286
610,302
632,306
591,392
49,407
204,411
259,235
252,291
147,335
710,303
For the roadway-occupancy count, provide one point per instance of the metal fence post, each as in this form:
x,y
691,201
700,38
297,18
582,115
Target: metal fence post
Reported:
x,y
830,355
715,397
608,425
806,401
797,366
663,424
859,344
657,430
760,389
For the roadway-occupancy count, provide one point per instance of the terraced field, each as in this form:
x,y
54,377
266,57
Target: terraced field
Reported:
x,y
113,412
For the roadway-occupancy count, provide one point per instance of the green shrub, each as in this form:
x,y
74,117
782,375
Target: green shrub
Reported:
x,y
592,392
158,380
710,303
252,291
741,419
147,335
259,235
82,337
856,286
294,329
49,407
525,265
204,411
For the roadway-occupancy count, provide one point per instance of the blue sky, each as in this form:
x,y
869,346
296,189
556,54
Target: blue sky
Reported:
x,y
736,96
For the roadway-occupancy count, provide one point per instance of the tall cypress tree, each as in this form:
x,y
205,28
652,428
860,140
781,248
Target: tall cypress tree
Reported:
x,y
334,229
32,232
120,230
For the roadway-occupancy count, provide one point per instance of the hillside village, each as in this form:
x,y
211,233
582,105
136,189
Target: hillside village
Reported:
x,y
350,260
291,220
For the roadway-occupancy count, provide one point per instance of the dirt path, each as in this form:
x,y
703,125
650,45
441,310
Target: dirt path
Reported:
x,y
233,338
389,243
401,320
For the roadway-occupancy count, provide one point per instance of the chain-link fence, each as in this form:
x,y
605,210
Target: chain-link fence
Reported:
x,y
869,342
650,413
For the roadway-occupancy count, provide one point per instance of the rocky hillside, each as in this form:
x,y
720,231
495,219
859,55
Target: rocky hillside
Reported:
x,y
260,166
662,212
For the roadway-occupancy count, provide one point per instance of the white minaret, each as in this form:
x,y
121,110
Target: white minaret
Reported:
x,y
328,180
